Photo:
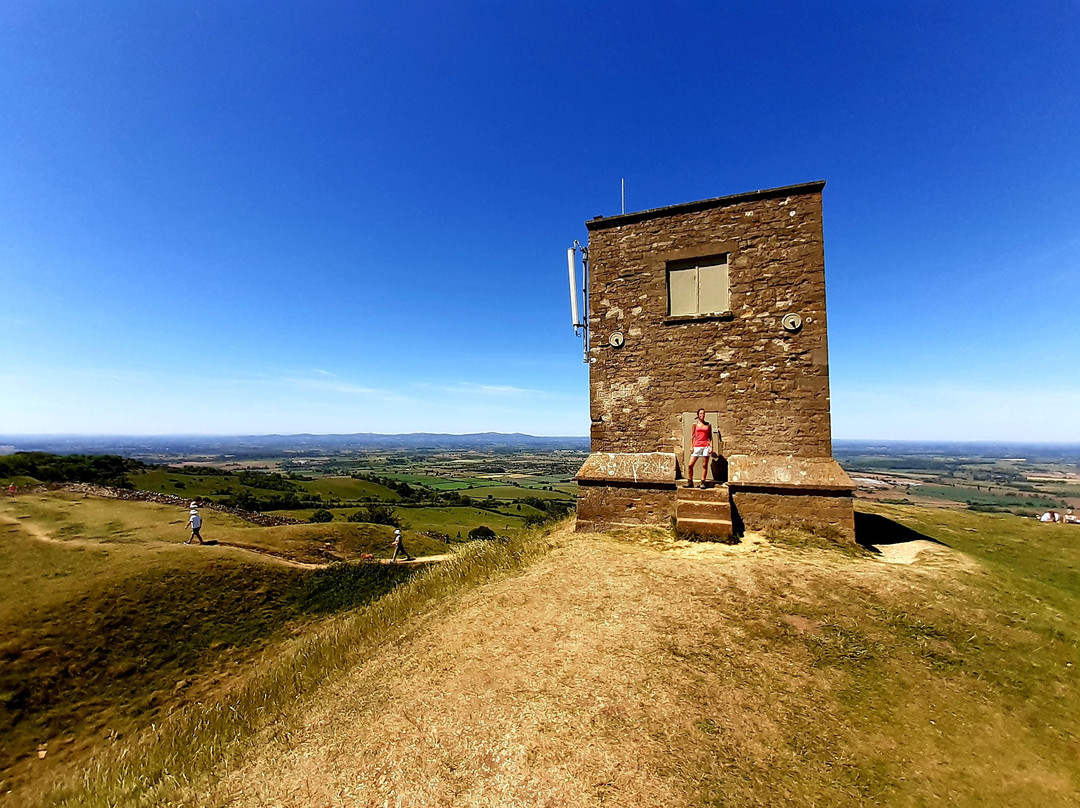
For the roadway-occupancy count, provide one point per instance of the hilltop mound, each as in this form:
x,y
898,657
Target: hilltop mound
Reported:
x,y
636,671
565,669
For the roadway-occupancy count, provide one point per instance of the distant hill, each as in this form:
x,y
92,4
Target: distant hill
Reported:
x,y
1059,452
261,445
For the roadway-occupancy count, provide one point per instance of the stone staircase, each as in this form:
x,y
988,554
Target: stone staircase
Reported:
x,y
704,511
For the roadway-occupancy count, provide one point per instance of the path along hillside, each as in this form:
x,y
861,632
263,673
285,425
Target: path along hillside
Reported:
x,y
636,671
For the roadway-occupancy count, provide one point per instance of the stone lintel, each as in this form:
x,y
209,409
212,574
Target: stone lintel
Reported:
x,y
787,473
640,468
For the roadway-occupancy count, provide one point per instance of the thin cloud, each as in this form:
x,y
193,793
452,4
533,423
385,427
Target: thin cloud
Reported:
x,y
492,390
339,387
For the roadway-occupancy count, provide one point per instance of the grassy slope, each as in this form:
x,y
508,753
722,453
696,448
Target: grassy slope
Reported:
x,y
103,611
349,488
447,519
459,520
648,673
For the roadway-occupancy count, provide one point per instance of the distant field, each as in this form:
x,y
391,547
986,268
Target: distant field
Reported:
x,y
1068,491
456,521
349,488
512,492
441,483
164,481
969,495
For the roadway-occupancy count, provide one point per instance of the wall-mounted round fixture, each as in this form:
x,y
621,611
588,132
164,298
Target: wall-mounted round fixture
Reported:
x,y
616,340
791,322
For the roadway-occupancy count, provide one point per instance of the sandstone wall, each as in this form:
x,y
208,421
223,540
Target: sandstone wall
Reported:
x,y
770,387
758,509
606,506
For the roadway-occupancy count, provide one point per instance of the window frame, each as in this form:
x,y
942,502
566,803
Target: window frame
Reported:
x,y
720,258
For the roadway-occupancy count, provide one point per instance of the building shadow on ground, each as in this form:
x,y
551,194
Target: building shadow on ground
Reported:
x,y
873,529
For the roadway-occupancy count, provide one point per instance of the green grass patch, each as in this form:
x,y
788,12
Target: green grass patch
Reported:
x,y
865,675
349,488
455,520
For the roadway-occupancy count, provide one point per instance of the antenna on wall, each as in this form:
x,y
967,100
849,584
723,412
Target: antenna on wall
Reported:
x,y
624,195
581,329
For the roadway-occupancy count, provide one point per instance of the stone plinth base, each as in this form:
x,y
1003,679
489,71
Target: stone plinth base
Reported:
x,y
756,509
635,489
771,489
601,507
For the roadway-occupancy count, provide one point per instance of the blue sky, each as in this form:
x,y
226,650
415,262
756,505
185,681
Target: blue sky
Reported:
x,y
249,217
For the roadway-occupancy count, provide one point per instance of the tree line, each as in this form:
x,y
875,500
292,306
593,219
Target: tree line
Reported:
x,y
45,467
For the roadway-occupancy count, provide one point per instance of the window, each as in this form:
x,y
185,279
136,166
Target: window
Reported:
x,y
698,287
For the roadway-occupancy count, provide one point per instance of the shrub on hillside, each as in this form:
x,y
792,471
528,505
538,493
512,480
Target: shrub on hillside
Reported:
x,y
322,515
247,501
376,514
482,532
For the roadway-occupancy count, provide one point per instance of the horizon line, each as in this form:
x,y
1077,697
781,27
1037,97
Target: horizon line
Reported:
x,y
219,435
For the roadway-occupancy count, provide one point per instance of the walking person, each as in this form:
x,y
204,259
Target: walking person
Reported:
x,y
195,523
11,490
701,446
399,546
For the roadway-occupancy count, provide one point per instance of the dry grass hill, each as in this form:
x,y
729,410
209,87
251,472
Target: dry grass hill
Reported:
x,y
637,672
562,669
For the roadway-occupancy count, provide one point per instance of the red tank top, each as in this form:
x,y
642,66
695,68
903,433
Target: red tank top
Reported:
x,y
702,435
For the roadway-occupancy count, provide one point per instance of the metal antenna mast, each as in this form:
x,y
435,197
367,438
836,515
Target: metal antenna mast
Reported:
x,y
580,323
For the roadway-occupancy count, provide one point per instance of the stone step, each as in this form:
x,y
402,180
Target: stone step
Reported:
x,y
717,493
689,509
704,527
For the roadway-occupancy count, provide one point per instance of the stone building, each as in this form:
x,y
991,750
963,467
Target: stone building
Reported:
x,y
717,304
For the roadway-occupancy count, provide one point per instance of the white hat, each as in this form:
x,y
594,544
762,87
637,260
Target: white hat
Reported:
x,y
193,505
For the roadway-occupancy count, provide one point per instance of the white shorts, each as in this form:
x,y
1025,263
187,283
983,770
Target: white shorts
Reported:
x,y
701,451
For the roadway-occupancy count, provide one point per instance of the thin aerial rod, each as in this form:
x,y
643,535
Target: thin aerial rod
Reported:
x,y
624,195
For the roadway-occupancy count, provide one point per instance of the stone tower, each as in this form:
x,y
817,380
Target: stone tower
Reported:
x,y
717,304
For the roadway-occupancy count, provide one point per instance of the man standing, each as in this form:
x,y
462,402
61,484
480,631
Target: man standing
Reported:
x,y
195,523
701,446
399,547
